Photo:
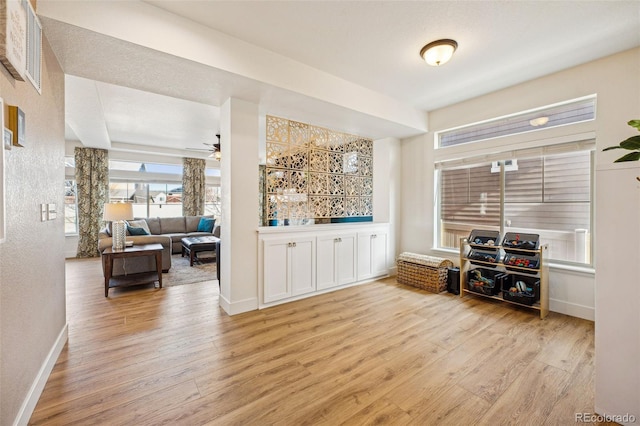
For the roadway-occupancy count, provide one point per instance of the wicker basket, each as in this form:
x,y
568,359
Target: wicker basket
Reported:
x,y
425,272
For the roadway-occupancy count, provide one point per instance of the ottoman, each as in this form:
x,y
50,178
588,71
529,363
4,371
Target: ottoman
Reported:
x,y
194,245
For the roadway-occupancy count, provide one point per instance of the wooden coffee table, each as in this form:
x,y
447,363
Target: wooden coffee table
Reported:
x,y
133,279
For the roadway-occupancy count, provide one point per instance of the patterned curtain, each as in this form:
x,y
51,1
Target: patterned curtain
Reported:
x,y
92,181
193,187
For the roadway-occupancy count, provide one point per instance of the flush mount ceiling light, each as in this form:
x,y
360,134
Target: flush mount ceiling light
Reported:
x,y
540,121
438,52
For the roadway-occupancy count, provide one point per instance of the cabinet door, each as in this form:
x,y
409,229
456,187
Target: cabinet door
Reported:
x,y
326,261
302,266
346,259
379,254
372,255
276,270
364,256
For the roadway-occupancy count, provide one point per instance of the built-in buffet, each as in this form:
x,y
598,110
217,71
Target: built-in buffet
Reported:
x,y
301,261
515,271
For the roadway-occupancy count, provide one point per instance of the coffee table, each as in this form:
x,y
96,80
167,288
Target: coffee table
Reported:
x,y
133,279
194,245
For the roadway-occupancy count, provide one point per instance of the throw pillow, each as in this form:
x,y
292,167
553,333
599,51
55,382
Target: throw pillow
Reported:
x,y
139,223
136,231
206,224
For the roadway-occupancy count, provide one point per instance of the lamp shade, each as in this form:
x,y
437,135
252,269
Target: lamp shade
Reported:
x,y
438,52
118,211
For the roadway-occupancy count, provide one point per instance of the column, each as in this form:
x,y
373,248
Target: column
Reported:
x,y
239,136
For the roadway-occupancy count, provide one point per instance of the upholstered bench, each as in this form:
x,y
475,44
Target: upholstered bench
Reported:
x,y
194,245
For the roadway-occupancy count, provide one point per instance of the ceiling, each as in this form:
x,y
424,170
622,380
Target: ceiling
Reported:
x,y
120,93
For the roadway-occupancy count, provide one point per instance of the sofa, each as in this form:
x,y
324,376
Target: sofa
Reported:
x,y
167,231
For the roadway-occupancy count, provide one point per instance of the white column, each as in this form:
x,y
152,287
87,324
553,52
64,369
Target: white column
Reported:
x,y
239,132
617,325
387,190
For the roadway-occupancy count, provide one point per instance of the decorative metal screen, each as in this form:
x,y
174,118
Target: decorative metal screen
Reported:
x,y
313,173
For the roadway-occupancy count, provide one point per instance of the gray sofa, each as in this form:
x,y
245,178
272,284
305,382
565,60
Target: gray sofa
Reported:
x,y
167,231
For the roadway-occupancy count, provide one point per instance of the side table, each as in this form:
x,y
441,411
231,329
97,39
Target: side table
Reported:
x,y
134,279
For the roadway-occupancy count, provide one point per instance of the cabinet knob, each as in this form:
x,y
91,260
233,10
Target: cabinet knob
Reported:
x,y
294,244
335,240
374,236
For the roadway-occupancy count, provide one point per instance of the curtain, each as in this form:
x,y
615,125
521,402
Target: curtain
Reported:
x,y
92,181
193,186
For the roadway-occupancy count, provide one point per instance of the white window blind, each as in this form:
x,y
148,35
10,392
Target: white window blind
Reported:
x,y
549,195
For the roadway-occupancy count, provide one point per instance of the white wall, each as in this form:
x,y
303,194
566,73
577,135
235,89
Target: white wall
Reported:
x,y
387,192
612,295
32,281
618,292
239,130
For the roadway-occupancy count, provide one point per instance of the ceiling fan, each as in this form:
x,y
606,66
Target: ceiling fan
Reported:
x,y
214,149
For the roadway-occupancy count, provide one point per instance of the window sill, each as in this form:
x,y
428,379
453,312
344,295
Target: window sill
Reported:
x,y
588,270
71,235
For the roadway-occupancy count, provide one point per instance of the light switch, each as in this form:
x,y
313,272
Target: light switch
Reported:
x,y
51,208
43,212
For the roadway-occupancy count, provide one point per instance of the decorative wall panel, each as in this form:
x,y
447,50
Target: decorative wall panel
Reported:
x,y
316,175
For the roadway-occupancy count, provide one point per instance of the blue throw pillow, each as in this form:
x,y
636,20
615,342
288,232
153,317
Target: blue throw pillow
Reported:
x,y
206,224
136,231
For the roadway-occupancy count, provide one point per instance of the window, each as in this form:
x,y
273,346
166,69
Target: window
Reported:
x,y
154,189
549,195
571,112
70,208
212,201
149,199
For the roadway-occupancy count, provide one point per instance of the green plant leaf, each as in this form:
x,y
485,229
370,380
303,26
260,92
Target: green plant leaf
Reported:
x,y
634,123
612,147
632,156
631,143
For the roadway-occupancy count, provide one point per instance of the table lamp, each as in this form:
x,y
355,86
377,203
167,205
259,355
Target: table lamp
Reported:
x,y
117,213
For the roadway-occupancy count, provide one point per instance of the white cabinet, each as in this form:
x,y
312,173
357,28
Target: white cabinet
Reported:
x,y
301,261
336,260
372,254
289,267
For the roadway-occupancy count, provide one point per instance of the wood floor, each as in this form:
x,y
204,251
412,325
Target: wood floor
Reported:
x,y
380,353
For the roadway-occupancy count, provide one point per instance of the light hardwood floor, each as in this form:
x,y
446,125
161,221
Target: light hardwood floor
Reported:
x,y
379,353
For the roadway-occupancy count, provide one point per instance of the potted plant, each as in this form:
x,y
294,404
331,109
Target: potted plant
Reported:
x,y
631,144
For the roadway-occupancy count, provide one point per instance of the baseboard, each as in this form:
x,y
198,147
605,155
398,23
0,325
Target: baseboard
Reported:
x,y
238,307
40,381
572,309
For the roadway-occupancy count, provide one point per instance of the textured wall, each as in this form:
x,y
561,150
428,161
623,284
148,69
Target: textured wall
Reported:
x,y
32,287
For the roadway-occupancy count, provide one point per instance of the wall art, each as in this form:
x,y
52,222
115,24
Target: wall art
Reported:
x,y
13,37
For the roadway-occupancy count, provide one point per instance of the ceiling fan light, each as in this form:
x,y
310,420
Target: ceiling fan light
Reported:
x,y
438,52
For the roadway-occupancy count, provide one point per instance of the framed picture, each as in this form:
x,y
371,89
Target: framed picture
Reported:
x,y
16,122
3,227
13,37
8,138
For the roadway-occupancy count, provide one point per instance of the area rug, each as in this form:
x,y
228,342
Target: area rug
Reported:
x,y
181,273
